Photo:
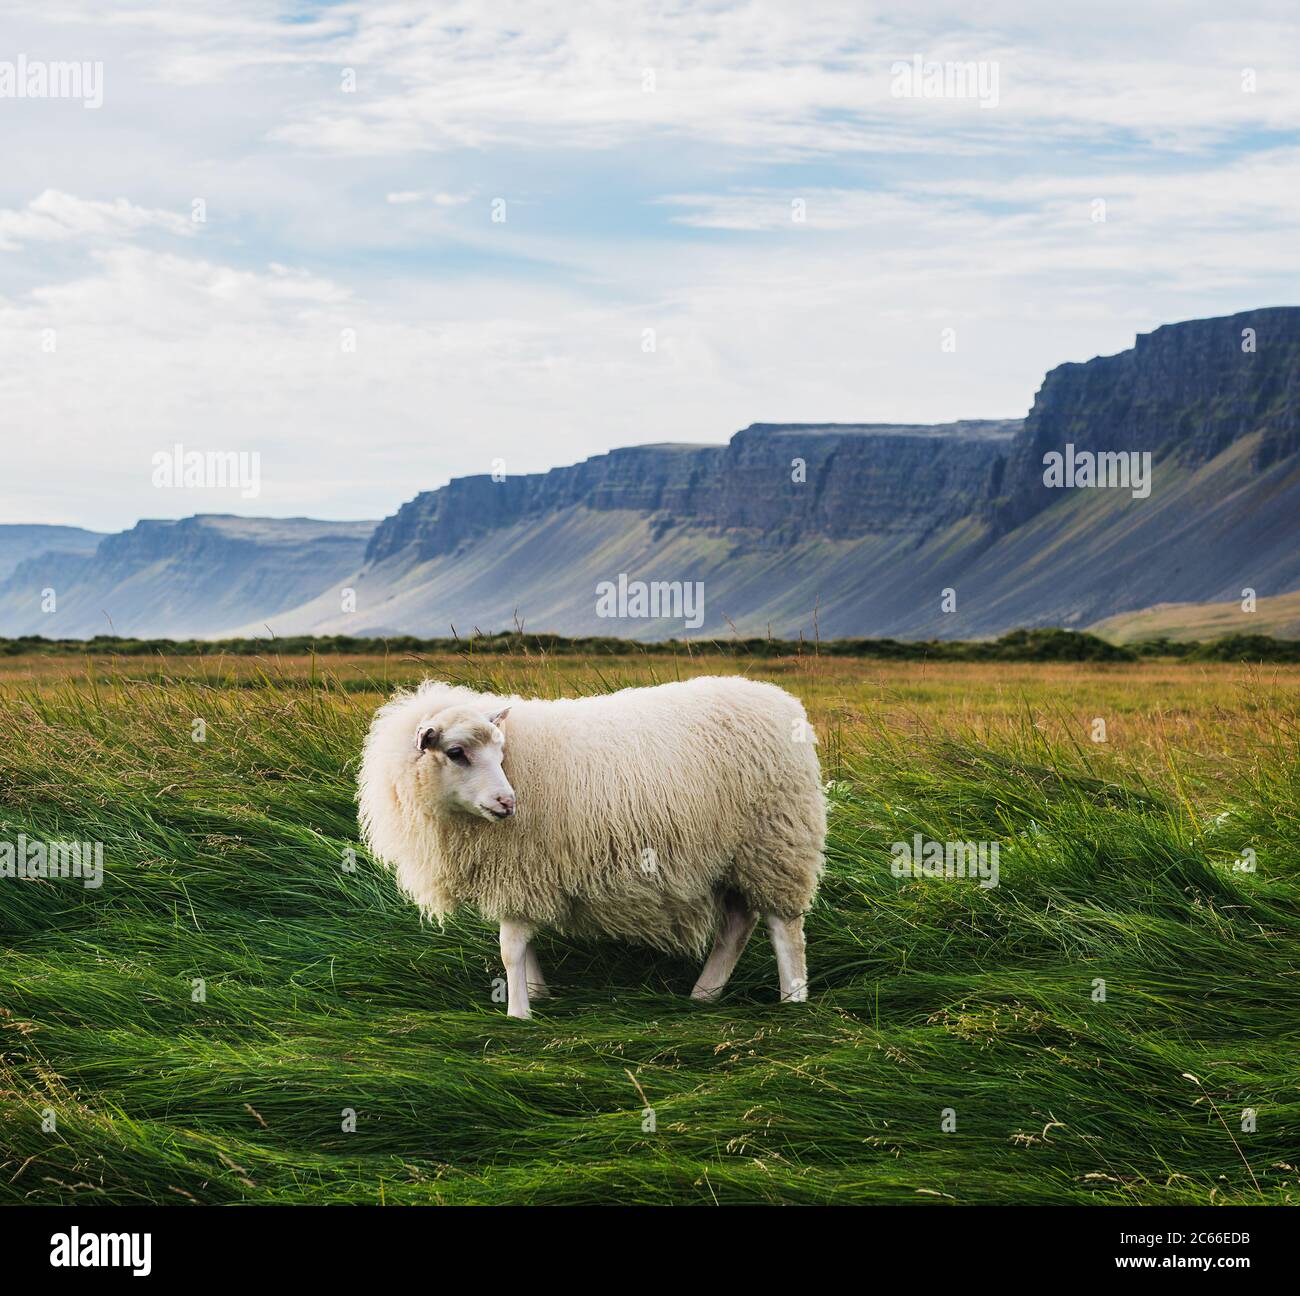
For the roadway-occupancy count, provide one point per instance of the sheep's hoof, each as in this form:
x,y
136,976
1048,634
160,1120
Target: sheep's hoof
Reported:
x,y
520,1016
798,995
705,994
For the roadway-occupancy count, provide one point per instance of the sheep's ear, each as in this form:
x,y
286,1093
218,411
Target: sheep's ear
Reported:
x,y
426,738
500,715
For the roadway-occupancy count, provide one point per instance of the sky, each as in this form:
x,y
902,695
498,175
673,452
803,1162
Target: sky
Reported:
x,y
381,245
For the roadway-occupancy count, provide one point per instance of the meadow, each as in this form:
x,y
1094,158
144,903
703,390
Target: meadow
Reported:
x,y
246,1010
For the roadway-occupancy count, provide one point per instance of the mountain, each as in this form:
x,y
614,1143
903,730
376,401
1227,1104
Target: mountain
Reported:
x,y
478,552
949,531
19,541
196,576
869,524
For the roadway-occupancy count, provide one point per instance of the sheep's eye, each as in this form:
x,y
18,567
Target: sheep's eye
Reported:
x,y
458,755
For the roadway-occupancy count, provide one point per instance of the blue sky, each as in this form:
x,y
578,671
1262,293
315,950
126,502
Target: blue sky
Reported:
x,y
650,158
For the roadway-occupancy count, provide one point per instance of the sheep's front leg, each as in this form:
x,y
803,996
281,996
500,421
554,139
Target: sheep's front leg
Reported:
x,y
514,954
787,941
537,986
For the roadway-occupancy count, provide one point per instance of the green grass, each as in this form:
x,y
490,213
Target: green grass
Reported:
x,y
223,861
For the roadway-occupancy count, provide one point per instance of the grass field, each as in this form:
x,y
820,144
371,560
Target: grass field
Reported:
x,y
224,862
1278,615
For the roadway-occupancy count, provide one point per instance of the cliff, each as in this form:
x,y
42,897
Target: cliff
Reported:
x,y
880,519
1185,392
851,529
783,482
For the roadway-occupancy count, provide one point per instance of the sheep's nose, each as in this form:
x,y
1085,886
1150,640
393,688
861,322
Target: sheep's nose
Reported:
x,y
507,804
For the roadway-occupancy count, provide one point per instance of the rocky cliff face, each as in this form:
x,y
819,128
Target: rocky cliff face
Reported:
x,y
871,522
870,479
782,482
650,479
1184,392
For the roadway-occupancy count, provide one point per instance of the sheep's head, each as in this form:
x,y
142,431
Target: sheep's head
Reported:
x,y
459,750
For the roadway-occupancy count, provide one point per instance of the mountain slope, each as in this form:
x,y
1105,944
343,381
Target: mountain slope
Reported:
x,y
20,541
871,524
195,576
948,531
480,553
1219,527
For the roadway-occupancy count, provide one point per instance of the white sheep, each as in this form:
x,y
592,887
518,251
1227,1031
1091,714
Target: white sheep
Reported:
x,y
662,816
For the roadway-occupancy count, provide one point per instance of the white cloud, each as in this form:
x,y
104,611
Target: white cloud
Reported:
x,y
404,197
792,324
752,74
635,203
755,74
1189,224
54,217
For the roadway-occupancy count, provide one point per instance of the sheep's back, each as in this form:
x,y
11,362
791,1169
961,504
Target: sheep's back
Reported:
x,y
633,807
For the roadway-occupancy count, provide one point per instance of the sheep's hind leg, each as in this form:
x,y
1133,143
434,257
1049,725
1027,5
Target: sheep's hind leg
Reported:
x,y
537,987
514,954
788,942
737,924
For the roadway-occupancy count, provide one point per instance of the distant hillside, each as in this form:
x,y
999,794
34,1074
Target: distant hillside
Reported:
x,y
191,577
19,542
841,530
869,524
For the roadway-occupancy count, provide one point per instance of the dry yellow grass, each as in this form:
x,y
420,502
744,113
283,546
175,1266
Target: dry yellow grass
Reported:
x,y
1156,713
1278,616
